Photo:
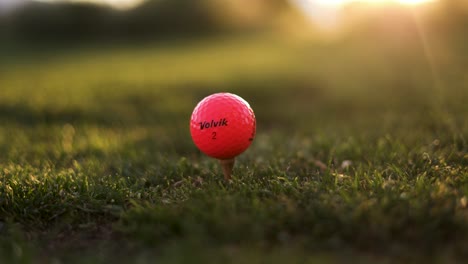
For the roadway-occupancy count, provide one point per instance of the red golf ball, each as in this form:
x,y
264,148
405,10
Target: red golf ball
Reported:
x,y
222,125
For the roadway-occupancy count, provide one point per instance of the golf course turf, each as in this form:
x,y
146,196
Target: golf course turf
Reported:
x,y
360,154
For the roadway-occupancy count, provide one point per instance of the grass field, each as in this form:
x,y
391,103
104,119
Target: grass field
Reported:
x,y
361,154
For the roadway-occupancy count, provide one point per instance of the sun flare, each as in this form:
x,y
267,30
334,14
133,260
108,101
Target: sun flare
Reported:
x,y
344,2
328,13
414,2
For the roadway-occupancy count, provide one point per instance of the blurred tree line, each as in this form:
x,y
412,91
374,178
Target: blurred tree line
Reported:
x,y
154,19
162,19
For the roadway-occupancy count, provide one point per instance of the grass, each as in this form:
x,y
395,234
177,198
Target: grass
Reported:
x,y
360,155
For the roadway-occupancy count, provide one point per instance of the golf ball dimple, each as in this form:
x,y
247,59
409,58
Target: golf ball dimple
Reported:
x,y
222,125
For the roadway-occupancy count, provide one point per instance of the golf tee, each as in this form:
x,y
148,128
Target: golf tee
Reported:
x,y
227,166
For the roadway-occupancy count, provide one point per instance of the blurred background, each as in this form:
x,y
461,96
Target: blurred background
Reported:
x,y
86,20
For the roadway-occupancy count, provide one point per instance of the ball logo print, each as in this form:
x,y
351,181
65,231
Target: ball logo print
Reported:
x,y
222,122
223,126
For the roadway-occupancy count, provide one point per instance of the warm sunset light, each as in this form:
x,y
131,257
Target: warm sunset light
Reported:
x,y
344,2
327,13
120,4
132,3
414,2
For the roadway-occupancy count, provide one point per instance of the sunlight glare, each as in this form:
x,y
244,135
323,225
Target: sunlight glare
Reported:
x,y
119,4
338,3
327,13
414,2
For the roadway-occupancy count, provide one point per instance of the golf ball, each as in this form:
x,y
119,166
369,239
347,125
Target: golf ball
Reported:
x,y
222,125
